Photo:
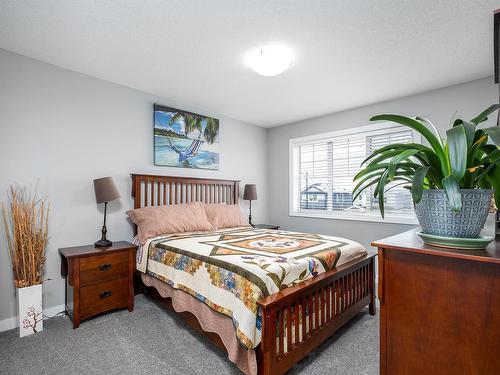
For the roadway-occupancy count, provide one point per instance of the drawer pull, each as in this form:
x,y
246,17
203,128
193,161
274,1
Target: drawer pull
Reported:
x,y
105,267
105,294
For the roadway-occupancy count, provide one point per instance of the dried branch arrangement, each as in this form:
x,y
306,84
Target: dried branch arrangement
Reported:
x,y
26,228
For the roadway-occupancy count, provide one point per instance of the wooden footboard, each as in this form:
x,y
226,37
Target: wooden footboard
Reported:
x,y
298,319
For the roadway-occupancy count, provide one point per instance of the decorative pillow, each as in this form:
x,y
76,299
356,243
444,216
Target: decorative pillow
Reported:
x,y
225,215
157,220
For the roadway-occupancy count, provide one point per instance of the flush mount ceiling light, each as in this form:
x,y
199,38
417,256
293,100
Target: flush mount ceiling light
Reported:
x,y
269,60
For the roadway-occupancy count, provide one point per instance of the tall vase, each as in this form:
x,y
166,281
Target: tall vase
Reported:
x,y
30,311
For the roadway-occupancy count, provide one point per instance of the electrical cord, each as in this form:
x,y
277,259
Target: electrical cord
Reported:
x,y
45,317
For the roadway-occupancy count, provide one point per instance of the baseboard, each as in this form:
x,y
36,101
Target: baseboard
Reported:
x,y
11,323
8,323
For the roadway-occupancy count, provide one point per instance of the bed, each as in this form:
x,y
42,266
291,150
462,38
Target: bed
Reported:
x,y
266,297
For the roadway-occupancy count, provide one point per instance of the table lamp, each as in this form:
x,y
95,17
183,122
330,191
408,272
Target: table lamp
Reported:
x,y
250,194
105,191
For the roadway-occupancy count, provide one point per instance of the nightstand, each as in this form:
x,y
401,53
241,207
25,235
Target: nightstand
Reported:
x,y
267,226
98,279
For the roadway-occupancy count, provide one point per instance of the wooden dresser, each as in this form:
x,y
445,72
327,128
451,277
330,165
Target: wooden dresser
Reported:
x,y
440,308
98,279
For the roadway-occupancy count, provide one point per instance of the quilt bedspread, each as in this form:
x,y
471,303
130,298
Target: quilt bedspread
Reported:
x,y
231,269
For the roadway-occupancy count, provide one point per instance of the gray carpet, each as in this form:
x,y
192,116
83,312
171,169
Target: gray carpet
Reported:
x,y
152,341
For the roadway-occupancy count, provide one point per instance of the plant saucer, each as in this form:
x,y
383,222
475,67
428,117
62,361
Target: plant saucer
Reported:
x,y
478,243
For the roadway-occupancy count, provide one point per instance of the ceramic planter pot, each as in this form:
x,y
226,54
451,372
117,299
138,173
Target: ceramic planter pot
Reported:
x,y
436,216
30,311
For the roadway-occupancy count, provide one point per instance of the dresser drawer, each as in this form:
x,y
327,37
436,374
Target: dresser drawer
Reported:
x,y
103,267
103,296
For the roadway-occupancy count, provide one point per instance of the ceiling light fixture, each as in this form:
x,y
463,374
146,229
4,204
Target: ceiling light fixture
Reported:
x,y
269,60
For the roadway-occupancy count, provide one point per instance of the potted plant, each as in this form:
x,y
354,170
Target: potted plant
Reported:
x,y
26,229
451,180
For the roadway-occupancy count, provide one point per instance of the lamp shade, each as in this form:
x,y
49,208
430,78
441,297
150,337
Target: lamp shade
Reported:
x,y
105,190
250,192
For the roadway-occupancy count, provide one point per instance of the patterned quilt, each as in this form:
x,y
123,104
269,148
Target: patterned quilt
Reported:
x,y
231,269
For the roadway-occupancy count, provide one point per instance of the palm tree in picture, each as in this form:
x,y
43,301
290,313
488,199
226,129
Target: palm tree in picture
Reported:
x,y
211,129
192,122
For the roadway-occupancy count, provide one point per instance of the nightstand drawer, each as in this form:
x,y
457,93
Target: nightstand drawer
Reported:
x,y
103,296
103,267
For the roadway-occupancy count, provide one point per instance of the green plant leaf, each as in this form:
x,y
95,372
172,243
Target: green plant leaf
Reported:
x,y
405,184
426,156
393,164
377,174
494,176
369,169
417,186
428,122
483,116
452,189
426,153
491,156
358,189
494,134
492,160
480,138
365,179
457,150
484,173
376,191
384,156
380,188
409,166
422,129
488,149
470,129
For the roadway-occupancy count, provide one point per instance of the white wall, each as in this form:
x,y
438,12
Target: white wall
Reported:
x,y
62,129
440,105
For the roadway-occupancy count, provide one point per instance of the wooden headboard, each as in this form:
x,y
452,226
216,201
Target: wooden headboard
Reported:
x,y
151,190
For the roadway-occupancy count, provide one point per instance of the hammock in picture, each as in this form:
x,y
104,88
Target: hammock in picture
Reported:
x,y
186,153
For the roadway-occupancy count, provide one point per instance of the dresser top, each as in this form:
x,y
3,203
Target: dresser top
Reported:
x,y
409,241
90,250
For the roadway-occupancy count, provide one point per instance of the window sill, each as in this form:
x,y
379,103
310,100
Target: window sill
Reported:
x,y
349,216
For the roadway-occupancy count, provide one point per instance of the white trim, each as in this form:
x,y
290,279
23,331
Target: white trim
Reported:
x,y
371,128
8,323
11,323
291,187
342,215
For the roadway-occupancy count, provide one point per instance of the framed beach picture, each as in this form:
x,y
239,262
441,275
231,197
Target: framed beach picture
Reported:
x,y
185,139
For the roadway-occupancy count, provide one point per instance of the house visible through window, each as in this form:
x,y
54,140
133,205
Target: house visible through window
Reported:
x,y
323,167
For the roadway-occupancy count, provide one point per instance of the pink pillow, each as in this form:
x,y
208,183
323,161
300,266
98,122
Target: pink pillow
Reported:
x,y
157,220
225,215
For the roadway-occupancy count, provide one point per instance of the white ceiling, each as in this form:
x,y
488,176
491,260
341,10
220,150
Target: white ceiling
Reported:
x,y
348,53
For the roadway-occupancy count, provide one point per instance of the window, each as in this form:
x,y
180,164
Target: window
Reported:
x,y
322,168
